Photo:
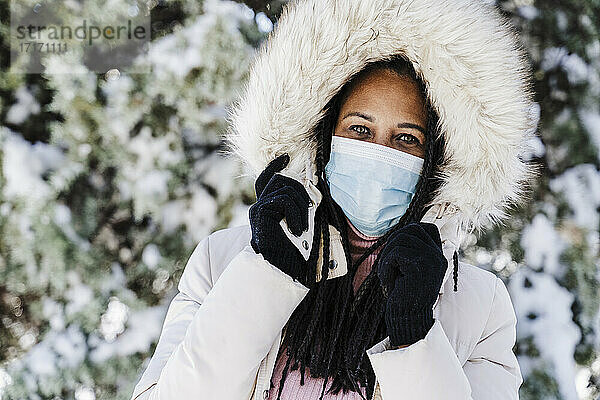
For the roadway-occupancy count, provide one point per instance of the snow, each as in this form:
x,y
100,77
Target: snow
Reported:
x,y
229,10
58,350
112,322
591,121
62,215
78,295
201,214
535,148
119,123
581,384
576,68
151,255
482,256
217,171
552,57
171,215
263,22
25,105
41,360
27,340
24,164
178,53
148,189
239,215
62,218
528,12
5,380
84,393
562,20
153,151
143,328
553,331
146,178
53,313
580,186
198,214
116,281
71,347
543,245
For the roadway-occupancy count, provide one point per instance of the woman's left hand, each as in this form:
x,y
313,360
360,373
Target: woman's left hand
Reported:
x,y
411,269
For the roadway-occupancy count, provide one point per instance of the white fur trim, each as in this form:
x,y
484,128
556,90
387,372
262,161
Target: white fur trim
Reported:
x,y
468,55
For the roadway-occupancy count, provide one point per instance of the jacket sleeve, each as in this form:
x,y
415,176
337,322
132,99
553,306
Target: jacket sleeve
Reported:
x,y
430,369
215,334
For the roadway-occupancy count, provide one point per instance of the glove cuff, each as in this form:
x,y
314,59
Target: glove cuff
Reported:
x,y
286,257
406,329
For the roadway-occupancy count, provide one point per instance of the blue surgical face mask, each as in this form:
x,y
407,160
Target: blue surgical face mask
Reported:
x,y
372,183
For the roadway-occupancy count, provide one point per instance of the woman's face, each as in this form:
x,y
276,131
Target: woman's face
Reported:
x,y
387,109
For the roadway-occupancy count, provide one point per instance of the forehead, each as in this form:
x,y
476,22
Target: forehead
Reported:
x,y
384,90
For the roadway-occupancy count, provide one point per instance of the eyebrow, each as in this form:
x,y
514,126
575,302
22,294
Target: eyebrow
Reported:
x,y
371,119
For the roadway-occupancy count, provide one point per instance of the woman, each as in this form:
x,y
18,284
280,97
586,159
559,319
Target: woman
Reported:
x,y
380,132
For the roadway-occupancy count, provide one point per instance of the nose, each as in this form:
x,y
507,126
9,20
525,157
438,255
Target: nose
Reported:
x,y
382,137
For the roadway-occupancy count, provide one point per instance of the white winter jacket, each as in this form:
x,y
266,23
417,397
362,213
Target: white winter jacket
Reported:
x,y
223,329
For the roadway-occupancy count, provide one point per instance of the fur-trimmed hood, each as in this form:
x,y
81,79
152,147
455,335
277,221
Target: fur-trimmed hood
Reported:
x,y
475,71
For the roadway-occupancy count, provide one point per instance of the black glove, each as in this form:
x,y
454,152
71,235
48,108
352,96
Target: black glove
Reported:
x,y
279,196
411,270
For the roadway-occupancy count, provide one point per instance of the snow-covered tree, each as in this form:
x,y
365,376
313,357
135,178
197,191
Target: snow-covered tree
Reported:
x,y
108,182
549,251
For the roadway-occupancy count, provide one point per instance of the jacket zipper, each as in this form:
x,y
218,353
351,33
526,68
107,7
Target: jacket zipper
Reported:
x,y
259,386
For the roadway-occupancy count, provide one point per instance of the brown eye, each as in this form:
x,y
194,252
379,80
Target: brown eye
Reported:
x,y
408,139
360,129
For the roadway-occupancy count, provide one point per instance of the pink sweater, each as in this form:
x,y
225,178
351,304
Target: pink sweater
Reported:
x,y
311,390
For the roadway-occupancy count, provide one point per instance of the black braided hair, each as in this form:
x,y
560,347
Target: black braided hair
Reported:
x,y
331,329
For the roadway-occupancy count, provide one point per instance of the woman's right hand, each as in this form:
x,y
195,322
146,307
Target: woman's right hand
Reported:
x,y
279,196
